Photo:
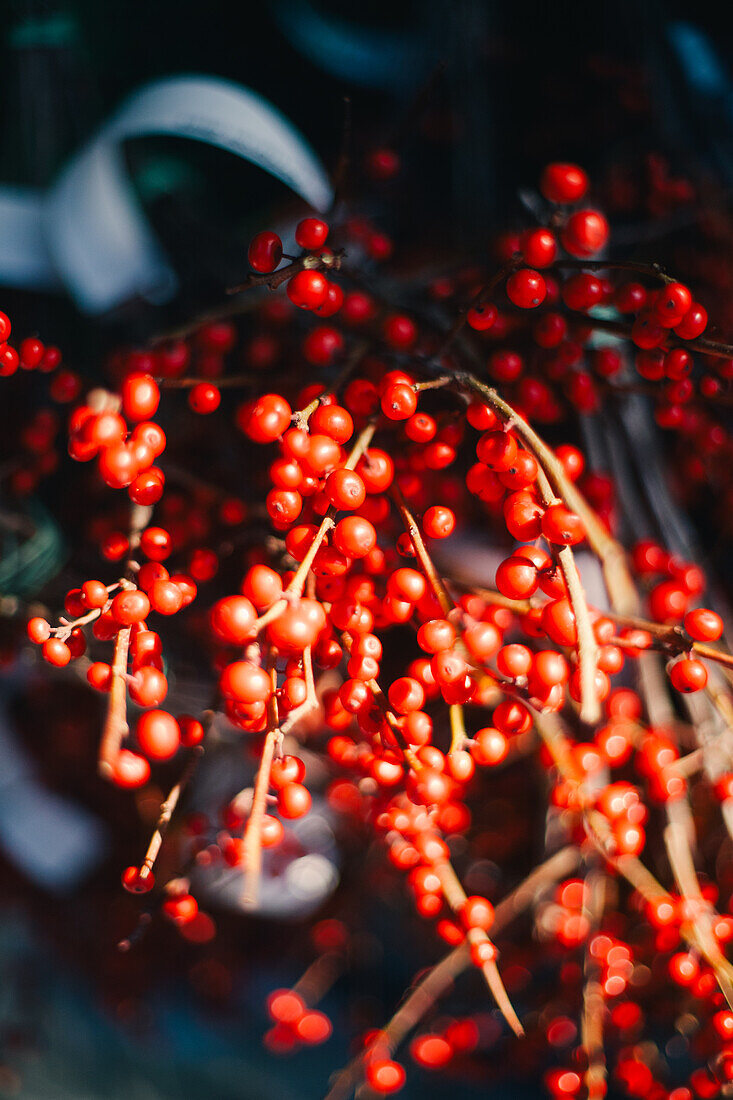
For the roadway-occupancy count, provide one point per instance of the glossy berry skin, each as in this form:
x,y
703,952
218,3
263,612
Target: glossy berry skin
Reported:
x,y
265,252
266,418
481,318
308,289
693,324
688,675
477,912
130,607
672,304
561,526
345,489
140,397
311,233
439,522
516,578
158,734
38,630
563,183
703,625
400,332
526,288
431,1051
135,883
399,401
354,536
232,619
539,247
294,800
130,770
204,398
585,233
497,450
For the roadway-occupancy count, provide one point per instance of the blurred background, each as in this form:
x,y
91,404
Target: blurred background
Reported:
x,y
476,97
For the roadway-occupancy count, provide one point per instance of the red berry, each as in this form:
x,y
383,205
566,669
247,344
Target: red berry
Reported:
x,y
481,317
140,396
563,182
265,251
585,232
311,233
688,675
133,881
399,401
438,522
345,489
204,398
38,629
232,619
158,734
703,625
385,1076
400,332
539,247
266,418
693,324
526,288
294,800
561,526
308,289
130,770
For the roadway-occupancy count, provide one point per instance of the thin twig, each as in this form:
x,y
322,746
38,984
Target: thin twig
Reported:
x,y
167,810
252,842
438,980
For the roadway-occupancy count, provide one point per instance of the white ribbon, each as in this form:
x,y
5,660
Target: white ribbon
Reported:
x,y
88,232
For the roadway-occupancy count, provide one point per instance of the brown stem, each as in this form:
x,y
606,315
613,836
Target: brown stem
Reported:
x,y
302,416
295,588
275,279
115,724
457,718
483,296
167,810
252,842
310,703
413,529
227,381
590,705
438,980
619,583
630,867
652,270
701,344
593,1000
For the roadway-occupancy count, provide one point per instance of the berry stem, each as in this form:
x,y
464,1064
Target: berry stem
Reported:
x,y
168,807
310,703
115,725
591,1026
426,993
590,706
619,584
295,588
272,280
457,719
455,896
252,842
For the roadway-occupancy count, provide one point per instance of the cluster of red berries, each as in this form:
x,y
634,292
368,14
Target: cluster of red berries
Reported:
x,y
352,605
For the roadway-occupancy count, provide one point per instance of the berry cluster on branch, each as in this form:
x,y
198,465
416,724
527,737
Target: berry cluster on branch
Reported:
x,y
355,633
